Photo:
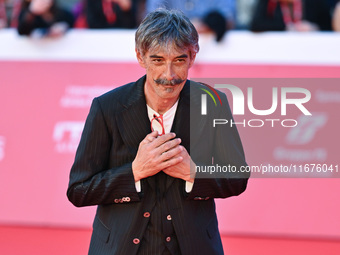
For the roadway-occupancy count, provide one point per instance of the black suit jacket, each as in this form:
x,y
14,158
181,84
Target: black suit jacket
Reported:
x,y
102,171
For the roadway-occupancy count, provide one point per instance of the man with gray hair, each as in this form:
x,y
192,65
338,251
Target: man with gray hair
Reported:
x,y
137,154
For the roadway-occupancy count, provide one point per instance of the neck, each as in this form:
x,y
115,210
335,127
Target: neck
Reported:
x,y
161,106
158,104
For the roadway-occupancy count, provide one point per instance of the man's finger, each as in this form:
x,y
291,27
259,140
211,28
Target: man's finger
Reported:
x,y
163,139
150,137
171,162
170,145
174,152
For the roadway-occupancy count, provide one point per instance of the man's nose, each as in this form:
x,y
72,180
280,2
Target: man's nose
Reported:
x,y
169,72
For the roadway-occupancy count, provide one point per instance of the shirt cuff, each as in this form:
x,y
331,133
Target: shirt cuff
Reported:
x,y
138,187
188,186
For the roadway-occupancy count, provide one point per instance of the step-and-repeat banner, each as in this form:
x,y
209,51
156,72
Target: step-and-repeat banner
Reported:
x,y
288,127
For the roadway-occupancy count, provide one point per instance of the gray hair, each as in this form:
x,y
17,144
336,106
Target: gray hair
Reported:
x,y
164,28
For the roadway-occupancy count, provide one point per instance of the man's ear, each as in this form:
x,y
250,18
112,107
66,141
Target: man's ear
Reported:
x,y
140,58
192,59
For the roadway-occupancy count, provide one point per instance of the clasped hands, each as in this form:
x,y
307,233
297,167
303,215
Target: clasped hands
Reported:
x,y
162,153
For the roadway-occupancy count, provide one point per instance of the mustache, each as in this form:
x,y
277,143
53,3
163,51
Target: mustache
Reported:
x,y
166,82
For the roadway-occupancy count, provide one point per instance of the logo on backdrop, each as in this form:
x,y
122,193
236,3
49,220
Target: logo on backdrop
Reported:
x,y
204,97
303,134
66,136
2,147
76,96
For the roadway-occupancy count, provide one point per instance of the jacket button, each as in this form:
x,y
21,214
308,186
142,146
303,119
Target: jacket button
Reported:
x,y
168,217
136,241
146,214
168,239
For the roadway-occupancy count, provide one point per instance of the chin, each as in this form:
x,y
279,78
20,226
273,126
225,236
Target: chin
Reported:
x,y
169,93
169,89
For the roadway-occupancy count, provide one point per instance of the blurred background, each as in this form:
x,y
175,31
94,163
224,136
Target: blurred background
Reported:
x,y
56,56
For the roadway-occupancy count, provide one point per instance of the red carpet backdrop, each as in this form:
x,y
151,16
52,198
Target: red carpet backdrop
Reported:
x,y
46,88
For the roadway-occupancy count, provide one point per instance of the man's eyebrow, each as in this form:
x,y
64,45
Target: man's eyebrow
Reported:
x,y
155,56
183,56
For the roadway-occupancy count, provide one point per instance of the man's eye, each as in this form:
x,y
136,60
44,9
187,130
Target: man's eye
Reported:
x,y
157,60
180,61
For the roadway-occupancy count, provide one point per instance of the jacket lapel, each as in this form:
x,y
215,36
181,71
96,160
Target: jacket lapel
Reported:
x,y
133,121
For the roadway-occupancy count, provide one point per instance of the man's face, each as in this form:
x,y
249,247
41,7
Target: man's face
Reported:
x,y
166,71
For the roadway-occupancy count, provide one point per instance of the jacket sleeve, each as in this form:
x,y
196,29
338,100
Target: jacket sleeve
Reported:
x,y
226,151
92,182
